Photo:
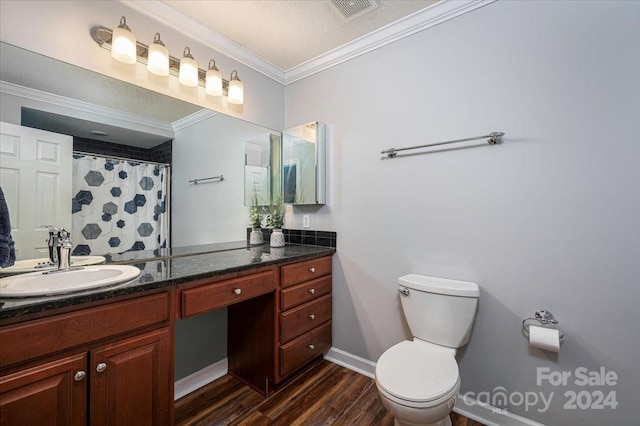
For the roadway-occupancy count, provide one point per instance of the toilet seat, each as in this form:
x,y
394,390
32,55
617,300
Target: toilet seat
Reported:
x,y
417,374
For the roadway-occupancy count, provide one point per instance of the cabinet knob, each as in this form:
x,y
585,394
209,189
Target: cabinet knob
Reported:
x,y
79,376
312,316
312,270
101,367
237,291
312,290
311,346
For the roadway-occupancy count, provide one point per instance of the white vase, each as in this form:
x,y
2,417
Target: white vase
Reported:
x,y
255,237
277,238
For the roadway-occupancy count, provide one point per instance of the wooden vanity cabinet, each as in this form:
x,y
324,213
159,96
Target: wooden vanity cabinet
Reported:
x,y
304,317
107,365
112,364
52,393
132,381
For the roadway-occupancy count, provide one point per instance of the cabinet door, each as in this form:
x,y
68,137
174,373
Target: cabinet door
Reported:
x,y
53,393
132,381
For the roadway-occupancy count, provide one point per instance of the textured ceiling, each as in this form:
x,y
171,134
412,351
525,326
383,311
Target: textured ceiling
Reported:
x,y
288,33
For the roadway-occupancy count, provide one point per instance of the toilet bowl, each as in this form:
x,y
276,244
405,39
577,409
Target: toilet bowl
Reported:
x,y
418,380
418,383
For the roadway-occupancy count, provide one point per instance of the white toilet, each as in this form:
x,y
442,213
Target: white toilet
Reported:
x,y
418,380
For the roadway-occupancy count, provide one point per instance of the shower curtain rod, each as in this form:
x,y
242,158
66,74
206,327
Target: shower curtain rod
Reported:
x,y
115,157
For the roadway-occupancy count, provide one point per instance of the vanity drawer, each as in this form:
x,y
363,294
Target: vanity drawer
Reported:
x,y
217,295
294,296
306,347
48,335
304,271
303,318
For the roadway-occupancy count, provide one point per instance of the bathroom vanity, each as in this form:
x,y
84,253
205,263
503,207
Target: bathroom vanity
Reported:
x,y
107,356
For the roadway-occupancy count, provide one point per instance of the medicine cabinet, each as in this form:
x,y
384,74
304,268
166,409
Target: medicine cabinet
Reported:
x,y
304,164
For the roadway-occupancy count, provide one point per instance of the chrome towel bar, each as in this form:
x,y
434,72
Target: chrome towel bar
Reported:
x,y
492,139
216,178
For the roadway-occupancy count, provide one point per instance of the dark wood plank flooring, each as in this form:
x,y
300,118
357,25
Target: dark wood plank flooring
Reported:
x,y
325,394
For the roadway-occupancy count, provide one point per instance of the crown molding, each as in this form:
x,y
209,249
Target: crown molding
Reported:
x,y
85,109
435,14
159,11
192,119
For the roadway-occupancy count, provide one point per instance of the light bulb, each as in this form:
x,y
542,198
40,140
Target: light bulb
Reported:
x,y
188,70
213,81
158,60
236,90
123,43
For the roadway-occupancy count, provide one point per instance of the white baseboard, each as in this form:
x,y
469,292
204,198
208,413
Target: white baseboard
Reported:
x,y
352,362
200,378
472,409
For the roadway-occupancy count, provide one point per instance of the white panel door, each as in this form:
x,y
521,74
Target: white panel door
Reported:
x,y
35,175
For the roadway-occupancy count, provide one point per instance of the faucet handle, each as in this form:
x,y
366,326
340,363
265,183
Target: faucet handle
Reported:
x,y
64,237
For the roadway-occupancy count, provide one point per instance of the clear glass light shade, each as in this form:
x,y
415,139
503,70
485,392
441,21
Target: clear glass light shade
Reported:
x,y
123,46
236,92
158,61
213,85
188,72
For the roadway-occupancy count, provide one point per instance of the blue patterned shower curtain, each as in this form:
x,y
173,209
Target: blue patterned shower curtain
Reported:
x,y
118,205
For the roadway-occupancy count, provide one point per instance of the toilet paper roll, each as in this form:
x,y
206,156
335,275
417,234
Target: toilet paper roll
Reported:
x,y
544,338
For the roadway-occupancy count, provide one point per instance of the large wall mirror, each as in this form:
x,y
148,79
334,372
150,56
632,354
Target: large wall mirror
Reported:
x,y
100,108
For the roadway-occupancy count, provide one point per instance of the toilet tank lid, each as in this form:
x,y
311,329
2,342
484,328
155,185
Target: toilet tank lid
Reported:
x,y
439,285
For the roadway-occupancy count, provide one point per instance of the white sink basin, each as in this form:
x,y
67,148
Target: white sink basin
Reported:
x,y
49,283
43,264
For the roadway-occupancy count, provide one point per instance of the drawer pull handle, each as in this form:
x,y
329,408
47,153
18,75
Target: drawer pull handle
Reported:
x,y
101,367
312,270
237,291
312,290
79,375
311,346
312,316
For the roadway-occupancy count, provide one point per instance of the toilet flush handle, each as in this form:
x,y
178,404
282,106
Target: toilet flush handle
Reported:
x,y
404,291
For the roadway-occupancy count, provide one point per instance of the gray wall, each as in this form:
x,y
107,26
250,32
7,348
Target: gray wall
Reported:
x,y
200,342
548,219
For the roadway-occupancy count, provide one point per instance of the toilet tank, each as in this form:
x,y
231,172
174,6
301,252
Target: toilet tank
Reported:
x,y
439,310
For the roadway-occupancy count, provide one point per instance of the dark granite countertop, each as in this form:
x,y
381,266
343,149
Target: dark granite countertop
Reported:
x,y
165,268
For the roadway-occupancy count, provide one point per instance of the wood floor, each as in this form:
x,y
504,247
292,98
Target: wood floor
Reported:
x,y
326,394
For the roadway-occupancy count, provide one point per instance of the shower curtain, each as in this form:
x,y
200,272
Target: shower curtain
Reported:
x,y
118,205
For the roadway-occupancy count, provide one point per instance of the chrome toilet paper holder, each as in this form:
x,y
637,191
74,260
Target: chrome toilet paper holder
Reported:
x,y
544,317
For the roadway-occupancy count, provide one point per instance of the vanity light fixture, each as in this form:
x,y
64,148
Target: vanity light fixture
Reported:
x,y
186,69
213,80
158,62
124,43
236,89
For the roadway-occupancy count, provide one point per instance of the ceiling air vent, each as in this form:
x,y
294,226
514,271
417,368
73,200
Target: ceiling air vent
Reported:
x,y
352,9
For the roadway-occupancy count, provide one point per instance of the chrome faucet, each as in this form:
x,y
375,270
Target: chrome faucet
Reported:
x,y
64,247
